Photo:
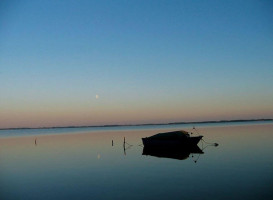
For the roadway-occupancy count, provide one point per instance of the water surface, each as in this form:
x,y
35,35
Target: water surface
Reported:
x,y
83,164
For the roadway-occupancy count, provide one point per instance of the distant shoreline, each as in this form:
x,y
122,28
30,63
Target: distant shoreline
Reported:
x,y
149,124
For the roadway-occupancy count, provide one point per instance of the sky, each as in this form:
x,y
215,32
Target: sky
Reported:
x,y
69,63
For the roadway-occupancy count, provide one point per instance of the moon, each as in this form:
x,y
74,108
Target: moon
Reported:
x,y
97,96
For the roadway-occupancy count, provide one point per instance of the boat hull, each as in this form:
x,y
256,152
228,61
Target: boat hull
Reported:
x,y
186,142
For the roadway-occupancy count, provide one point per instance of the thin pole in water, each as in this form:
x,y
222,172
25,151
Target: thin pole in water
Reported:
x,y
124,147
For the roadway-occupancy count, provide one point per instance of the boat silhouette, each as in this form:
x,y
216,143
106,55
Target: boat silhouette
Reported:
x,y
174,138
176,145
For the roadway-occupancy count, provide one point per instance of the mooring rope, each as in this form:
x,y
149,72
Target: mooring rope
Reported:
x,y
128,144
195,160
212,144
196,131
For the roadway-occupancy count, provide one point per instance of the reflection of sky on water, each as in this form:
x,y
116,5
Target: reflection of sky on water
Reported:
x,y
86,165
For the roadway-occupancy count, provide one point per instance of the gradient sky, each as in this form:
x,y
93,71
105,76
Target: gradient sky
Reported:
x,y
120,62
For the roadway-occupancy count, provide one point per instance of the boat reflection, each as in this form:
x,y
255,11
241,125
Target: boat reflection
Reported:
x,y
174,152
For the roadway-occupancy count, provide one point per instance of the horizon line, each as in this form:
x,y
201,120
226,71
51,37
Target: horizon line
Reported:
x,y
145,124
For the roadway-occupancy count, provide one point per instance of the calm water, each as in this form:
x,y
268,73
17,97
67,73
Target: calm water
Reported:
x,y
83,164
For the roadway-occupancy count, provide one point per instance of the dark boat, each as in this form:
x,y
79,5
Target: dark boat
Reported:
x,y
175,152
175,138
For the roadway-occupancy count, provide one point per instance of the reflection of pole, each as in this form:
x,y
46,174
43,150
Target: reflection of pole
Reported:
x,y
35,141
124,150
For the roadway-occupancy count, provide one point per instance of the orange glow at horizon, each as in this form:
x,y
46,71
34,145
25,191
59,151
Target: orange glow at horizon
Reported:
x,y
126,114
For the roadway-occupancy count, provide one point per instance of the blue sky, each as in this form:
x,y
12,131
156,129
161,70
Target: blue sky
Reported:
x,y
149,61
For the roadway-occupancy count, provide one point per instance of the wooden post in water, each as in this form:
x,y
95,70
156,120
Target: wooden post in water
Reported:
x,y
124,147
112,143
